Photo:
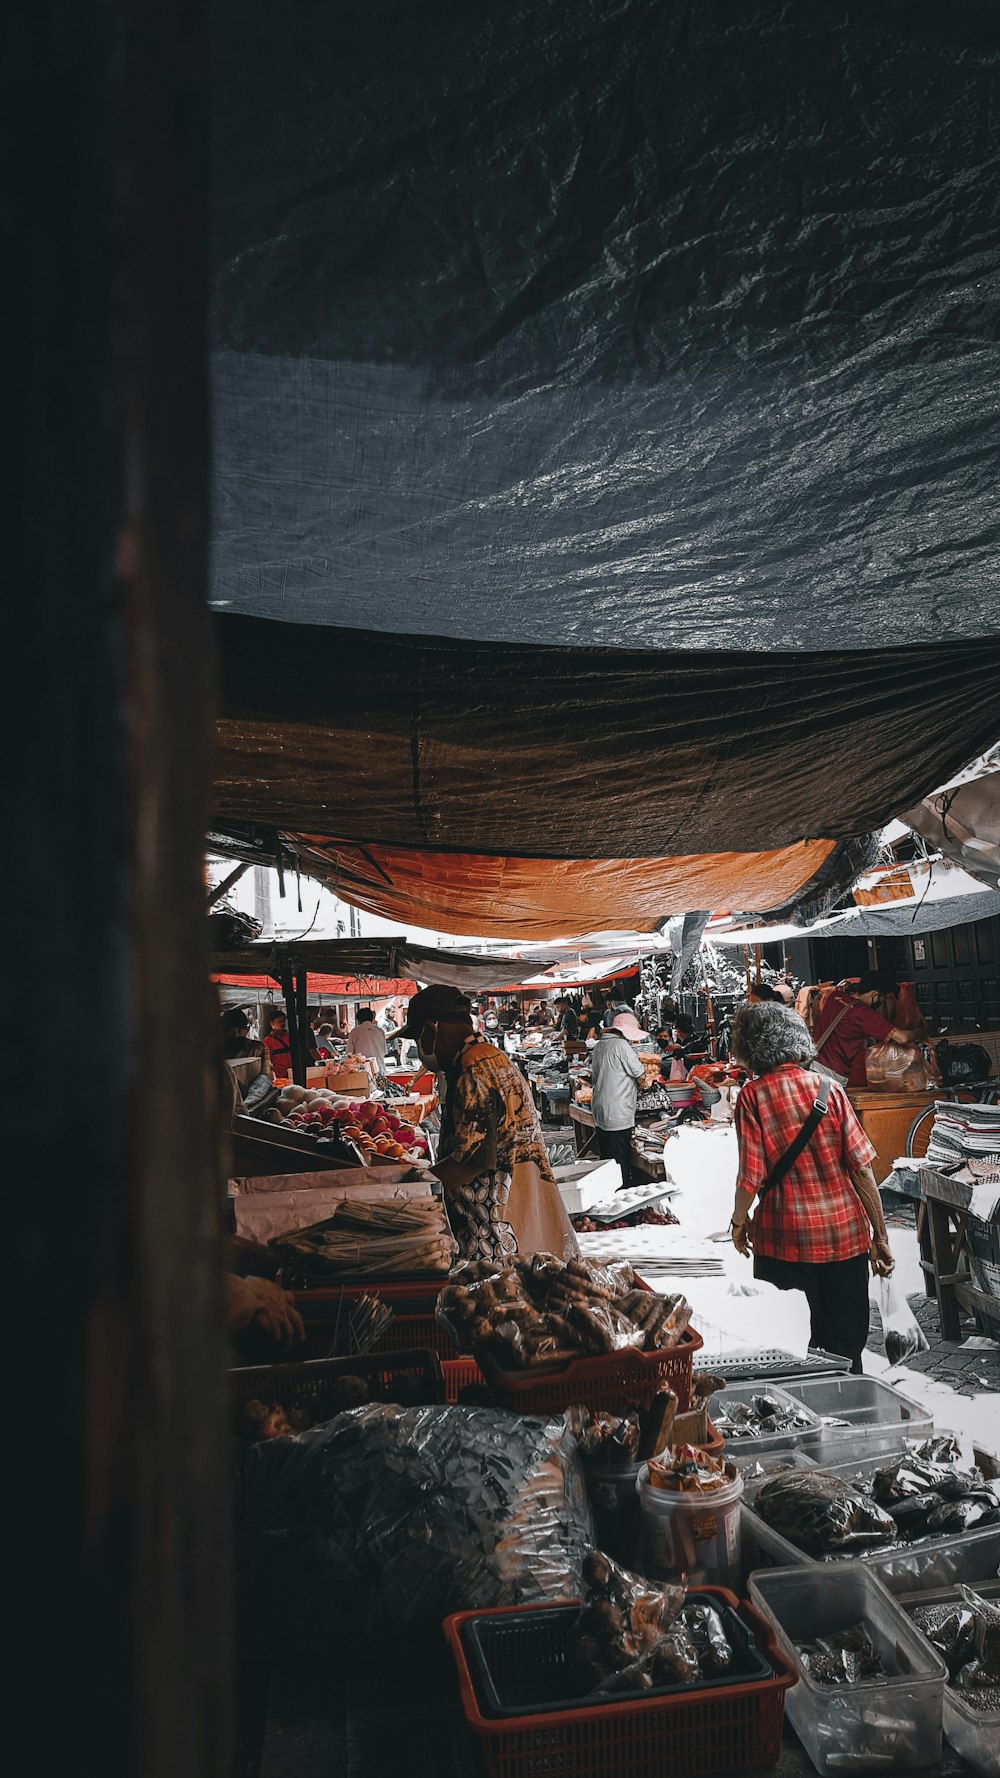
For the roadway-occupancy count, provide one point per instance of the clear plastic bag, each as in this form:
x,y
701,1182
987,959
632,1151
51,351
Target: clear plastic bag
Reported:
x,y
622,1619
903,1066
903,1336
390,1515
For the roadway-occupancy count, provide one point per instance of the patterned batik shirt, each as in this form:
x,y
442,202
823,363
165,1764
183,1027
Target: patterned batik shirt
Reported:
x,y
813,1215
488,1107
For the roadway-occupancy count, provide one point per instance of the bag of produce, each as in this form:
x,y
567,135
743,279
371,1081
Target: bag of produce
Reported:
x,y
396,1515
903,1336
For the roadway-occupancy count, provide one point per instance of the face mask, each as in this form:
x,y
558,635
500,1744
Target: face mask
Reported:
x,y
425,1046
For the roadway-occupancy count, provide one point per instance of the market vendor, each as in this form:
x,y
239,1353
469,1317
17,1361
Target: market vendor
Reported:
x,y
279,1045
367,1039
819,1227
261,1304
568,1022
499,1189
237,1043
845,1021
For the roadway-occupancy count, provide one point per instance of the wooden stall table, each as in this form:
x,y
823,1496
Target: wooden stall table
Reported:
x,y
585,1137
945,1256
885,1118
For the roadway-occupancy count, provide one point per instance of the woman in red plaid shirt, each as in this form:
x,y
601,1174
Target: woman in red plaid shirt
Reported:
x,y
818,1228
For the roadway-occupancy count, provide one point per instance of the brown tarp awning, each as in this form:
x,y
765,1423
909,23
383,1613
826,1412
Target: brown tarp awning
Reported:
x,y
543,791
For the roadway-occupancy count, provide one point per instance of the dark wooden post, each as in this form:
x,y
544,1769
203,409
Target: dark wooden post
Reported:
x,y
302,994
288,989
120,1657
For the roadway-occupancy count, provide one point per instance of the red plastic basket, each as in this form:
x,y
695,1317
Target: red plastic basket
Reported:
x,y
733,1728
311,1380
620,1380
459,1374
412,1302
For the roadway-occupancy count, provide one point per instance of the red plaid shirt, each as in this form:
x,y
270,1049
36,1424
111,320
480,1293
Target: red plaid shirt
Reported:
x,y
813,1215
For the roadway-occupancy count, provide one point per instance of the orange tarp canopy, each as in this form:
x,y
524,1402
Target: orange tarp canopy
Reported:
x,y
532,898
337,986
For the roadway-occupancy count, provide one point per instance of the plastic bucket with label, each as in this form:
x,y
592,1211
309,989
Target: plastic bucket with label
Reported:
x,y
697,1535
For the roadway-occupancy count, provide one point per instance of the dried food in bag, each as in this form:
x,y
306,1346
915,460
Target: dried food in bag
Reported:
x,y
900,1327
705,1628
822,1514
403,1515
621,1619
843,1658
987,1629
979,1689
952,1630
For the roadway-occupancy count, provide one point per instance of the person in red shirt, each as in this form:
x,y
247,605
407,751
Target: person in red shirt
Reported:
x,y
820,1227
844,1022
279,1046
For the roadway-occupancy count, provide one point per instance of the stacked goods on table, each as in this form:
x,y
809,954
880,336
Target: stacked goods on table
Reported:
x,y
964,1133
371,1128
544,1312
400,1237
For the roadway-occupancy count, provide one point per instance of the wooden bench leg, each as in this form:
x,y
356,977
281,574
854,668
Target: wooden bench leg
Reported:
x,y
944,1269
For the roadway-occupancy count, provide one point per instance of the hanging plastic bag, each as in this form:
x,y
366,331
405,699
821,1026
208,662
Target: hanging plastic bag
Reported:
x,y
903,1335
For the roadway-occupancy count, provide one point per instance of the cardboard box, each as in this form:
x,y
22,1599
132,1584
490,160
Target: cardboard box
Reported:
x,y
356,1086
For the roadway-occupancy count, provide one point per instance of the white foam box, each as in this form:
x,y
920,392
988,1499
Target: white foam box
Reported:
x,y
583,1184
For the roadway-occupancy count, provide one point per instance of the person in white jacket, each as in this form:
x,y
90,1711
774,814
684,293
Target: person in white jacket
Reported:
x,y
615,1077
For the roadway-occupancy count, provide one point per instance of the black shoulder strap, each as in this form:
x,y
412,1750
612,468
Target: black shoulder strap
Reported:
x,y
795,1147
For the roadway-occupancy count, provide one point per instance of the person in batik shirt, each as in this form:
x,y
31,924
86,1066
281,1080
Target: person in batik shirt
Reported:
x,y
499,1189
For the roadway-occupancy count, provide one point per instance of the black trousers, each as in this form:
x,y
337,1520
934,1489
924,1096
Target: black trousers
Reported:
x,y
616,1145
837,1294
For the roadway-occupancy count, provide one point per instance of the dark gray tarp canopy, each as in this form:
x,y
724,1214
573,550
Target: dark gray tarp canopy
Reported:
x,y
629,323
603,328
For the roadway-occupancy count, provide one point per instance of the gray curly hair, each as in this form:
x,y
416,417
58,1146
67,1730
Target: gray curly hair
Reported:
x,y
765,1035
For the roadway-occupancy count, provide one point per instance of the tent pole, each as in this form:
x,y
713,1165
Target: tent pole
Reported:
x,y
302,993
291,1014
746,964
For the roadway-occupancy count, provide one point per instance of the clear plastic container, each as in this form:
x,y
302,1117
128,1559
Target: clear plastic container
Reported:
x,y
878,1417
975,1734
890,1723
697,1535
778,1441
967,1556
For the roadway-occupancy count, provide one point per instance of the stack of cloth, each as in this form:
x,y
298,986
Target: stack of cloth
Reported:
x,y
964,1133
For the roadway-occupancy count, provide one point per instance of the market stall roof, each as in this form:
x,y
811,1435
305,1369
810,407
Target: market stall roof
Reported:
x,y
583,384
392,959
636,325
530,792
338,987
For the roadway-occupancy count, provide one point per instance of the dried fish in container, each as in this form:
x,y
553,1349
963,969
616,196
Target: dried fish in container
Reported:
x,y
821,1514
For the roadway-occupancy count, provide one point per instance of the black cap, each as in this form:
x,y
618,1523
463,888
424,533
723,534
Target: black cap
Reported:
x,y
432,1005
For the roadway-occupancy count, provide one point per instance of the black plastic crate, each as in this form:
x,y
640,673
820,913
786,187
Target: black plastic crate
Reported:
x,y
521,1663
